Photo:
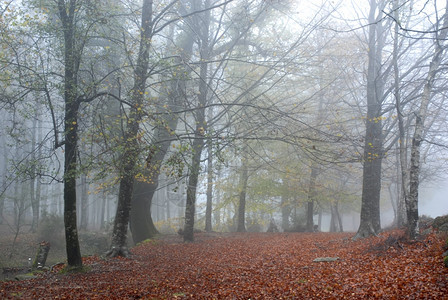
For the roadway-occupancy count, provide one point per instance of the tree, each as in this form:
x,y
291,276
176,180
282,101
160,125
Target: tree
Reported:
x,y
373,141
242,190
421,115
131,148
172,94
67,14
78,25
201,27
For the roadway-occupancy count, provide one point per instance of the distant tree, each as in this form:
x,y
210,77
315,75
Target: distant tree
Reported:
x,y
242,189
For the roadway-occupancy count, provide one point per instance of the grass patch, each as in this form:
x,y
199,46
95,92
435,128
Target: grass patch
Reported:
x,y
147,241
75,270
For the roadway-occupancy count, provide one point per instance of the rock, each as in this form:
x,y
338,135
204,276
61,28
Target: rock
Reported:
x,y
425,222
426,232
445,253
444,227
440,222
325,259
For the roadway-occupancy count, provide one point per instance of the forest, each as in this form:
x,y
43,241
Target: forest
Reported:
x,y
124,120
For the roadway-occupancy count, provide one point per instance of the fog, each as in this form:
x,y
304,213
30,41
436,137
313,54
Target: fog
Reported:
x,y
434,199
236,115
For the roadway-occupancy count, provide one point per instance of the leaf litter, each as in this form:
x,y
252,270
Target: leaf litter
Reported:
x,y
255,266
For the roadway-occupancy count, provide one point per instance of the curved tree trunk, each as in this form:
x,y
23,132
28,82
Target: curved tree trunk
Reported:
x,y
142,226
131,146
141,223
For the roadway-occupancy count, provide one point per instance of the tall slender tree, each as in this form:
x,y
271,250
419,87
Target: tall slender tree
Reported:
x,y
72,59
202,27
421,115
373,141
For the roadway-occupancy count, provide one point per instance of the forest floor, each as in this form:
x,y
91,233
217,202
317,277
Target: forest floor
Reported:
x,y
254,266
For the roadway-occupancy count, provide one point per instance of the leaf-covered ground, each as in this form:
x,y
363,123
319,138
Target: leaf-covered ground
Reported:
x,y
255,266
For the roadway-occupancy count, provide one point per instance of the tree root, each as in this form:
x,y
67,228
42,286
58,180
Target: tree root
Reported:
x,y
365,232
118,252
392,241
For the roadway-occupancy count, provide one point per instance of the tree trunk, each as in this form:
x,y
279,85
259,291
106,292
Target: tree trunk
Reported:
x,y
393,202
333,224
33,195
286,212
412,204
131,147
373,141
319,221
339,217
311,197
70,219
3,185
403,197
244,176
142,225
84,203
401,206
201,25
102,212
71,64
217,212
209,193
191,189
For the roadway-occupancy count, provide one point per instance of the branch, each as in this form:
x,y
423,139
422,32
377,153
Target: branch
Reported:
x,y
436,144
